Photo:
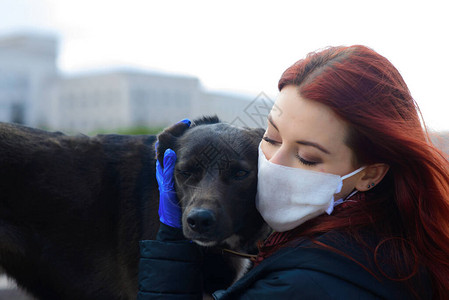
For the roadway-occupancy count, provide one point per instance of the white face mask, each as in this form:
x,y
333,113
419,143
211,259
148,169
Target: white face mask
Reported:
x,y
287,197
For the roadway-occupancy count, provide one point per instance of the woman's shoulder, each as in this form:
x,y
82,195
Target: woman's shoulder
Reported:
x,y
334,258
332,266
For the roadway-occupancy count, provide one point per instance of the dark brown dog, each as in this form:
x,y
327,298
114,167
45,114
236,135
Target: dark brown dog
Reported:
x,y
73,208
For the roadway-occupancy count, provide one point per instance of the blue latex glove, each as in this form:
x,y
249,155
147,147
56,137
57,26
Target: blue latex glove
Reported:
x,y
169,210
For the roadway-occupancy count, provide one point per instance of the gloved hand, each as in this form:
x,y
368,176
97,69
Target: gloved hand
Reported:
x,y
169,210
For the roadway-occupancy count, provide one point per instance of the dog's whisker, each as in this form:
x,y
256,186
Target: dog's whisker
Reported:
x,y
192,186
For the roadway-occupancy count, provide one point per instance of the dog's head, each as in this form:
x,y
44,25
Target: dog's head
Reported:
x,y
216,180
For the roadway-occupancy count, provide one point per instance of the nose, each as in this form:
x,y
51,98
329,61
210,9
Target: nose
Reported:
x,y
280,157
201,220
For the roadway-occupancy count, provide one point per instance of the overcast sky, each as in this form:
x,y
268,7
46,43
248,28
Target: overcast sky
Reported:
x,y
244,46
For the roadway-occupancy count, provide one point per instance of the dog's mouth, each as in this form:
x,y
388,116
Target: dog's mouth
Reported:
x,y
214,239
211,238
205,243
207,240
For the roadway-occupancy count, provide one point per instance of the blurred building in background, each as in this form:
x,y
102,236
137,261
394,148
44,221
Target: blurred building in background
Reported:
x,y
27,72
120,99
35,93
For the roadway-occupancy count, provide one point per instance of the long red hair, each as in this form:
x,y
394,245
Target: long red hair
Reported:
x,y
409,209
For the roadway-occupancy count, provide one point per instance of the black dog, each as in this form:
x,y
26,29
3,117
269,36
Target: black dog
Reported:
x,y
73,208
216,181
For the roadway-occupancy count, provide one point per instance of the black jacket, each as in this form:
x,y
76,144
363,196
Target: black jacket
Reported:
x,y
171,270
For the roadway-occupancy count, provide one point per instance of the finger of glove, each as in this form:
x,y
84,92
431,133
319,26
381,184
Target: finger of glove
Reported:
x,y
186,121
159,174
165,182
169,166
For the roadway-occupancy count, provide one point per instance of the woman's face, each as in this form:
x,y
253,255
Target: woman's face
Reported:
x,y
306,134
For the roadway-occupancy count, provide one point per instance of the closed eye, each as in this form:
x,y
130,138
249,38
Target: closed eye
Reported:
x,y
270,141
240,174
186,170
185,173
306,162
301,160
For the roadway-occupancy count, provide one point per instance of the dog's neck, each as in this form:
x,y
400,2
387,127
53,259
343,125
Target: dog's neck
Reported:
x,y
242,245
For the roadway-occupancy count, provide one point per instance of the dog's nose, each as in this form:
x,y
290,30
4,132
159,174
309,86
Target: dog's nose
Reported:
x,y
201,220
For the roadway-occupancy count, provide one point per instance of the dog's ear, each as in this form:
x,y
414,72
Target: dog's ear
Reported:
x,y
167,139
256,133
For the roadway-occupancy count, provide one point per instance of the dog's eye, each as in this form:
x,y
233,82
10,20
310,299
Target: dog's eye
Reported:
x,y
240,174
184,173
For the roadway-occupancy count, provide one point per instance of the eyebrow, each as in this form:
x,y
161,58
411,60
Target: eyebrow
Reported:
x,y
270,119
318,146
305,143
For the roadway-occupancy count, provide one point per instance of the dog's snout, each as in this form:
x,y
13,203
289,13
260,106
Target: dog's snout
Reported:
x,y
201,220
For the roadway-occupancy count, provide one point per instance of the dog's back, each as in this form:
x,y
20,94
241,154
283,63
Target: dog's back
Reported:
x,y
72,210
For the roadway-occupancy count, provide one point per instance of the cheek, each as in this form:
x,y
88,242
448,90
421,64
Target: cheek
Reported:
x,y
341,195
267,149
348,187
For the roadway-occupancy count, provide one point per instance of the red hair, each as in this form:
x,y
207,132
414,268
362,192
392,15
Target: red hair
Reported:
x,y
411,204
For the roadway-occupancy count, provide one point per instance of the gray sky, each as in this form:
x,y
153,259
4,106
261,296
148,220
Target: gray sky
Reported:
x,y
244,45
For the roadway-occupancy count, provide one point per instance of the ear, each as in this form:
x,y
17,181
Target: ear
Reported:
x,y
372,175
167,139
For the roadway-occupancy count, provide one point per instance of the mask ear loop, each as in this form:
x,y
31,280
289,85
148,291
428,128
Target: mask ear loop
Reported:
x,y
340,201
352,173
355,191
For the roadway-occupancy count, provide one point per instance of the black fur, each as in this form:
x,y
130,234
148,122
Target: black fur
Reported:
x,y
216,182
73,208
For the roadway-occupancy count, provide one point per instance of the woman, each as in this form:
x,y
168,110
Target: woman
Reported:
x,y
348,179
